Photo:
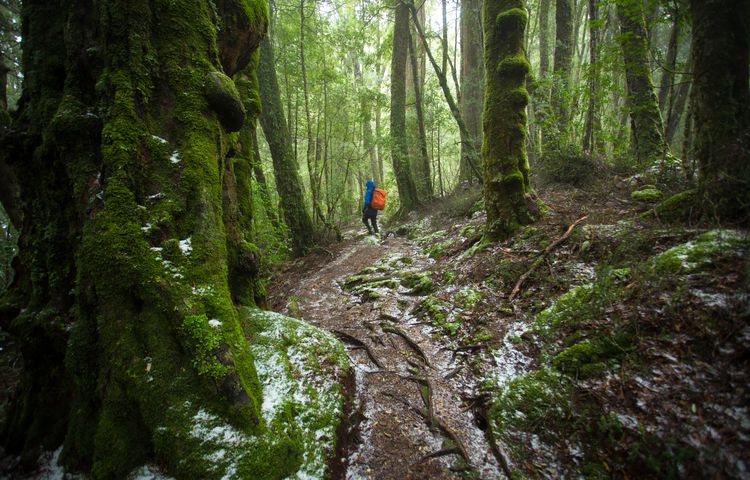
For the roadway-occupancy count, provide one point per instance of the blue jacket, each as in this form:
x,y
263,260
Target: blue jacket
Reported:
x,y
366,208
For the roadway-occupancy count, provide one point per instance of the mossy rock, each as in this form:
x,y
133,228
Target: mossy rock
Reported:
x,y
678,208
224,99
648,194
302,369
467,297
701,253
419,283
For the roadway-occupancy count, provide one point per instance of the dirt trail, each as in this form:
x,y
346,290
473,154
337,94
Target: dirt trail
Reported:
x,y
413,389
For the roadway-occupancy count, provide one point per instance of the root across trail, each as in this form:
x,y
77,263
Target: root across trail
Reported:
x,y
412,390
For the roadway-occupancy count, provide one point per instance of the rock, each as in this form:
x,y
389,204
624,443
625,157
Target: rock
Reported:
x,y
224,99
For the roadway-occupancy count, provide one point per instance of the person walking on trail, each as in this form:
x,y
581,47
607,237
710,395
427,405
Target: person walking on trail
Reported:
x,y
369,214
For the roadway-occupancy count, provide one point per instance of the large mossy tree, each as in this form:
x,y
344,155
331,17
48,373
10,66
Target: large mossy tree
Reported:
x,y
721,105
131,194
507,192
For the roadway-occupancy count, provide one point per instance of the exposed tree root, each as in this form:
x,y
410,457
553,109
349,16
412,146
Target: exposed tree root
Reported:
x,y
441,453
358,343
453,372
540,259
394,329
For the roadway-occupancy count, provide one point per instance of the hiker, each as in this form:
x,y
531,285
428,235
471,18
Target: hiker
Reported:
x,y
369,213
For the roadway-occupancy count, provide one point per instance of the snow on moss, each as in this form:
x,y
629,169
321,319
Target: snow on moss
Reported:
x,y
701,253
300,368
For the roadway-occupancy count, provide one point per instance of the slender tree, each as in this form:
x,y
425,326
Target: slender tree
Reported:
x,y
423,159
563,61
592,125
721,104
544,9
645,118
407,190
506,170
288,182
472,83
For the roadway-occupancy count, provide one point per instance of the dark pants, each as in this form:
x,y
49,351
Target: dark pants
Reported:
x,y
370,218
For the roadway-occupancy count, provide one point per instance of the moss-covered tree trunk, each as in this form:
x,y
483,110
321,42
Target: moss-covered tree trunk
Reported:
x,y
721,105
407,190
506,171
135,238
472,83
645,118
544,9
288,182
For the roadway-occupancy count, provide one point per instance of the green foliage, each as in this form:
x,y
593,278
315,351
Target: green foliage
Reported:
x,y
567,163
419,283
202,340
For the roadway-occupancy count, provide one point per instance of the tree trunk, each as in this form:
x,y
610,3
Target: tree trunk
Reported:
x,y
407,190
133,235
563,63
506,170
544,9
721,105
366,111
472,83
425,175
676,111
666,85
645,118
452,105
592,126
265,192
288,182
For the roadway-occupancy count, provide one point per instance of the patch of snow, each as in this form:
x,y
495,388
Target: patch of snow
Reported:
x,y
146,228
159,139
156,196
148,472
186,246
175,158
214,323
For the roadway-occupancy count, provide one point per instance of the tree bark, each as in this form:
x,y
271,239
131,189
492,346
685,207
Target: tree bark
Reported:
x,y
472,83
721,105
592,126
288,182
135,205
544,9
452,105
425,174
563,61
506,170
407,190
645,118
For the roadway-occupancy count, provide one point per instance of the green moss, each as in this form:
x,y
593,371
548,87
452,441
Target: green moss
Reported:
x,y
512,19
678,208
648,194
419,283
592,356
224,99
437,312
516,66
699,254
467,297
203,339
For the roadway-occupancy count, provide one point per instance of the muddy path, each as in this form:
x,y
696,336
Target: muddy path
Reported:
x,y
414,389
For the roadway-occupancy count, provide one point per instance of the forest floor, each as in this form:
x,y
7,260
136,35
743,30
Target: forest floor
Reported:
x,y
456,380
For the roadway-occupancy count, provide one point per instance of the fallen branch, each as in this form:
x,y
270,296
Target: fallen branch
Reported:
x,y
393,329
471,348
358,343
539,260
453,372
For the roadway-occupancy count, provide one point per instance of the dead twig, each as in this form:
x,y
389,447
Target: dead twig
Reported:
x,y
414,346
358,343
540,259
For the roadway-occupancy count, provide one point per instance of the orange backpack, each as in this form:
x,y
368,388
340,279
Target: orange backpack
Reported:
x,y
378,199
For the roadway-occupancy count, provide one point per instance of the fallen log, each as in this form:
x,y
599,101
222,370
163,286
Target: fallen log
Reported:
x,y
540,259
